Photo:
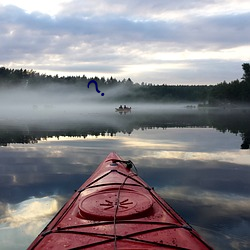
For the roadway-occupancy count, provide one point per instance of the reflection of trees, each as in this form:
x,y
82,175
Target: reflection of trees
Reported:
x,y
246,141
222,120
236,122
8,137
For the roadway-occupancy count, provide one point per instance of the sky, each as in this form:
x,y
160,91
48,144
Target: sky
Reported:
x,y
160,42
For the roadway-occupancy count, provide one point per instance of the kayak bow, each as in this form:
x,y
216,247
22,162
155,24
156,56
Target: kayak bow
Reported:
x,y
116,209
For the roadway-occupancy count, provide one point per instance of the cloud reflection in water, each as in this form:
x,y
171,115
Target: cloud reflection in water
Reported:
x,y
198,171
21,222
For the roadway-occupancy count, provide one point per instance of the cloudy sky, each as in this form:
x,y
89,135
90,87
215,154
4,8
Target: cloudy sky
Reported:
x,y
157,41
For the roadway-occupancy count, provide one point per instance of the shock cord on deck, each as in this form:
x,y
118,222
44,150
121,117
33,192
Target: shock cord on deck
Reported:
x,y
129,165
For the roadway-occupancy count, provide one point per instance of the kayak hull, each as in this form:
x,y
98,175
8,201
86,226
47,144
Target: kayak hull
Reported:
x,y
116,209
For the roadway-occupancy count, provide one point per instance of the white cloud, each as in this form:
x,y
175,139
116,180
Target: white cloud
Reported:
x,y
45,6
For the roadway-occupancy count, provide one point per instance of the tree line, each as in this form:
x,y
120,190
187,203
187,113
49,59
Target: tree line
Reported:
x,y
236,91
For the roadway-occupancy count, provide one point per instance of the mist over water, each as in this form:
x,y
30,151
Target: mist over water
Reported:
x,y
60,102
191,156
50,102
56,108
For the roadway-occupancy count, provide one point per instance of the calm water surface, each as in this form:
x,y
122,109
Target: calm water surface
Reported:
x,y
193,160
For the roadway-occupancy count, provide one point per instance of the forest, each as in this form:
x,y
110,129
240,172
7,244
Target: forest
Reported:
x,y
224,93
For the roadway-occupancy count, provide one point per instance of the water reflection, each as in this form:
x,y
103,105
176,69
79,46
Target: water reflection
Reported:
x,y
111,123
21,221
199,169
31,210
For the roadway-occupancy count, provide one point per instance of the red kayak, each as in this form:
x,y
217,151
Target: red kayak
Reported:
x,y
116,209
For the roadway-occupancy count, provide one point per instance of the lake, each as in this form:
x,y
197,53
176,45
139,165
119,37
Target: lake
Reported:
x,y
198,160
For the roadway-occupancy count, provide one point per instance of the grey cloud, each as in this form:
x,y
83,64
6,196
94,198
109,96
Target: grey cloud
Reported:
x,y
219,31
91,35
83,68
133,8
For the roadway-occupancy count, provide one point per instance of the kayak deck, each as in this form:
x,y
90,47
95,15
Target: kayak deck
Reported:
x,y
116,209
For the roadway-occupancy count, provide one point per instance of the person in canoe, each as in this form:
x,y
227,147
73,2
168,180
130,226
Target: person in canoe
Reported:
x,y
123,109
126,109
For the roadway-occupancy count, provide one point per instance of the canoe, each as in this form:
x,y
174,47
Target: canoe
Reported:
x,y
125,110
116,209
